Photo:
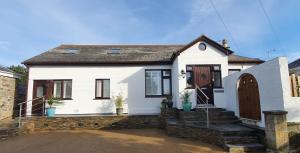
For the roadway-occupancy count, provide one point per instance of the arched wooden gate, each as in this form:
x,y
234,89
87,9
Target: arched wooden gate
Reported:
x,y
248,95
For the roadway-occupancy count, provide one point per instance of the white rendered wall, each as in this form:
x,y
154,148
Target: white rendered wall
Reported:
x,y
128,80
193,56
273,84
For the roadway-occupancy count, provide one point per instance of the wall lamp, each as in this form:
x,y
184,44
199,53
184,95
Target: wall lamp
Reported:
x,y
182,73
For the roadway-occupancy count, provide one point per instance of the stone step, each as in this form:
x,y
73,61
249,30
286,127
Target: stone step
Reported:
x,y
200,123
237,134
240,139
212,118
248,148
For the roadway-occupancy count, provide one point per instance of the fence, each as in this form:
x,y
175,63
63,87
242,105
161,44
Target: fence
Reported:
x,y
295,85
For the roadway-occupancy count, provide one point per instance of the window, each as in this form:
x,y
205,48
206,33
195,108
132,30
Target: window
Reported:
x,y
189,77
102,89
62,89
158,83
217,77
231,71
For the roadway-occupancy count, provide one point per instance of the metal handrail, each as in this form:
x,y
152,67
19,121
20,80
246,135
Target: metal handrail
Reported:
x,y
197,87
30,100
21,108
206,102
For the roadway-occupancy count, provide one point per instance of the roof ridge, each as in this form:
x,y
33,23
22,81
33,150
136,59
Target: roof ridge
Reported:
x,y
125,45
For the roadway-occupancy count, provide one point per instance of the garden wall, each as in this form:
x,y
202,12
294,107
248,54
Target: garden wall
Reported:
x,y
91,122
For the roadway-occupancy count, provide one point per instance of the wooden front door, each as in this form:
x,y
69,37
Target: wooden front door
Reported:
x,y
41,88
203,79
249,103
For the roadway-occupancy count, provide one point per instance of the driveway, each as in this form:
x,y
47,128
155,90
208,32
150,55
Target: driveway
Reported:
x,y
98,141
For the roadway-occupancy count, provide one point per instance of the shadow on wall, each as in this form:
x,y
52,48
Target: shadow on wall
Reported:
x,y
136,101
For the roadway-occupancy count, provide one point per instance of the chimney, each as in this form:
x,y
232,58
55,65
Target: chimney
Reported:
x,y
224,43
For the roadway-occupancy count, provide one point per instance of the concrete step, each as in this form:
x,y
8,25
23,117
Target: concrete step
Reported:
x,y
248,148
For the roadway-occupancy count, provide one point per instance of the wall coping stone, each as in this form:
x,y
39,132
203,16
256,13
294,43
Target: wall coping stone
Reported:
x,y
275,112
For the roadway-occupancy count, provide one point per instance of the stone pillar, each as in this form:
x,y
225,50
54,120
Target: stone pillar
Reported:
x,y
277,136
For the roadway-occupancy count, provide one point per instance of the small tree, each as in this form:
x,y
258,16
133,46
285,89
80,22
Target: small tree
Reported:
x,y
22,71
169,98
186,96
119,101
52,101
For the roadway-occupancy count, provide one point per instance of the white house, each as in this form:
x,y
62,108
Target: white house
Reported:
x,y
87,77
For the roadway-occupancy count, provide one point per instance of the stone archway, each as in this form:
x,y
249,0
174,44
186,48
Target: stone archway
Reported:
x,y
248,96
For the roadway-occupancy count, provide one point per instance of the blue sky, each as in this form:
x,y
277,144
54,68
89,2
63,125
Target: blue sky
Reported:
x,y
30,27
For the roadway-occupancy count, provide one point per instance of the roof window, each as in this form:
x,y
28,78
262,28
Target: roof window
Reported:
x,y
71,51
113,51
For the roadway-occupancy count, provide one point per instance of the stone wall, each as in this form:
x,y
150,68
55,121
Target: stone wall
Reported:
x,y
7,96
91,122
294,134
203,134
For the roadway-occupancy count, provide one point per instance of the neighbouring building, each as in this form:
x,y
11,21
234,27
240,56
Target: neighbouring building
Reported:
x,y
295,67
7,92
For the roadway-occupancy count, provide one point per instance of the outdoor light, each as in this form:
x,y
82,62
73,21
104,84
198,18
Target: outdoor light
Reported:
x,y
182,73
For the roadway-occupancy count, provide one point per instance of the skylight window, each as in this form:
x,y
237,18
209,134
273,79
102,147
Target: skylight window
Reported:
x,y
71,51
114,51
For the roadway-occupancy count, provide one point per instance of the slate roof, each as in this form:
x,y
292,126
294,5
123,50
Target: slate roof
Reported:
x,y
242,59
5,69
295,64
129,54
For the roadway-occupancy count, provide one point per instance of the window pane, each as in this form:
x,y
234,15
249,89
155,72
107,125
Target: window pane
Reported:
x,y
217,68
153,83
40,91
57,89
67,89
99,88
189,68
106,90
217,79
167,73
189,79
167,87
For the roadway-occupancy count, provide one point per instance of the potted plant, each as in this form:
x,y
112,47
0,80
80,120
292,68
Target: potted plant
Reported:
x,y
164,103
186,104
50,111
119,104
169,101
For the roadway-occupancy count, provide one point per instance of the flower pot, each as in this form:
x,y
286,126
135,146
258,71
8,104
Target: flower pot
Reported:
x,y
187,106
119,111
50,112
170,104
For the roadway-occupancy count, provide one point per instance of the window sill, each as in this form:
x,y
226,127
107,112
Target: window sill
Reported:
x,y
155,96
65,99
102,98
218,88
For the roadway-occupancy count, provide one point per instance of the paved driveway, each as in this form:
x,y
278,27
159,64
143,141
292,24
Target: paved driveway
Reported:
x,y
114,141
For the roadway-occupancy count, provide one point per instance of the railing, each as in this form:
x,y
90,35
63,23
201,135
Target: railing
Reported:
x,y
32,106
198,96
